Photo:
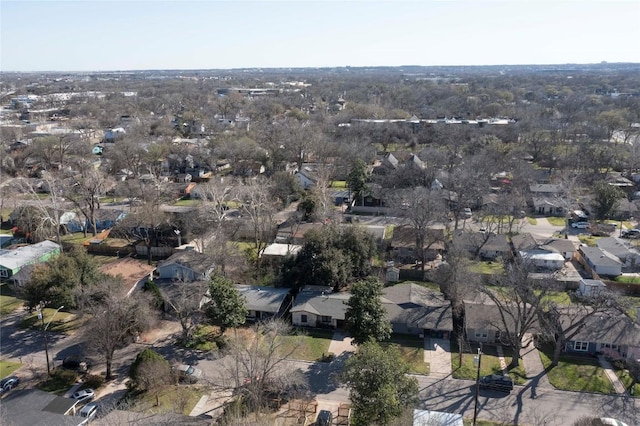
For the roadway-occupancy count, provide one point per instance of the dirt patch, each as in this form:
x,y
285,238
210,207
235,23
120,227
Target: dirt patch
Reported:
x,y
130,270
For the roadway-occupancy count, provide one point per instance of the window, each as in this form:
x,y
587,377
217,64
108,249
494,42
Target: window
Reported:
x,y
482,333
4,273
303,318
325,318
581,346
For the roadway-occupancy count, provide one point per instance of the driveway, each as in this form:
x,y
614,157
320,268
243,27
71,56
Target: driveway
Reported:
x,y
437,352
340,343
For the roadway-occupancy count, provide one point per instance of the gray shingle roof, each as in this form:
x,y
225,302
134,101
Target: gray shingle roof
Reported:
x,y
263,299
191,259
327,304
417,307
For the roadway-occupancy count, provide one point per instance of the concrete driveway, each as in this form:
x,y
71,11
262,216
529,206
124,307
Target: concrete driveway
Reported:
x,y
437,352
341,343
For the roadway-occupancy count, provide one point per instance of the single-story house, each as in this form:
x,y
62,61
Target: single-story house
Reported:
x,y
34,407
589,287
602,262
294,234
611,333
314,307
488,246
559,245
265,302
629,257
186,265
413,309
403,244
11,261
546,206
483,323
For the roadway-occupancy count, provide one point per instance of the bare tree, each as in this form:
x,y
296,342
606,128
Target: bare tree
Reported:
x,y
258,366
422,208
185,303
519,299
115,320
43,215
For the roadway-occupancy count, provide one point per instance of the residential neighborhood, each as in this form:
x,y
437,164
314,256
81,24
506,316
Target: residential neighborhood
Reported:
x,y
207,248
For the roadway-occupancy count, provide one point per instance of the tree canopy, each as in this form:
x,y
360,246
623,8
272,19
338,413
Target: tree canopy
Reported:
x,y
366,316
226,307
379,387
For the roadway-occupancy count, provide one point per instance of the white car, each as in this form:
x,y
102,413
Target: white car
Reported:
x,y
84,395
581,225
613,422
89,411
189,373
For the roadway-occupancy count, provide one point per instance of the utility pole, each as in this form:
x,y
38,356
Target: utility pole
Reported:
x,y
477,360
44,334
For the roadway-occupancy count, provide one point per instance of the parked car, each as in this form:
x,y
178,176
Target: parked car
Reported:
x,y
325,417
84,395
581,225
612,422
189,373
466,212
75,362
9,383
90,410
631,233
497,382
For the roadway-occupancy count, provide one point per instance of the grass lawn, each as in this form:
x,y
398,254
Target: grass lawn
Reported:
x,y
489,268
204,338
559,297
186,203
412,350
589,240
388,232
311,345
490,364
8,302
627,380
627,279
8,367
76,238
63,322
577,374
339,184
532,220
557,221
172,399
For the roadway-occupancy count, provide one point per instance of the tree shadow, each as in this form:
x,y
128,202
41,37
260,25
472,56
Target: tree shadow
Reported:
x,y
323,376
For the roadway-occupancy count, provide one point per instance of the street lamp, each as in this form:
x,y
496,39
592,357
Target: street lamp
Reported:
x,y
477,360
44,333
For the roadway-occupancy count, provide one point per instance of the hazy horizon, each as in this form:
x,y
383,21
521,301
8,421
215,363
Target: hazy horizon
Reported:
x,y
105,35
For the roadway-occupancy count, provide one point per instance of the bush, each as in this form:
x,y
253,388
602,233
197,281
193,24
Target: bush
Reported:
x,y
327,357
93,381
60,381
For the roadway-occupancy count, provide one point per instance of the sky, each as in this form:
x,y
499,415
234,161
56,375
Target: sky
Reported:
x,y
106,35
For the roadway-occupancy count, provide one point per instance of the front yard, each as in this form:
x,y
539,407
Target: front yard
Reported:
x,y
489,364
8,367
63,322
412,351
312,345
578,374
627,380
8,303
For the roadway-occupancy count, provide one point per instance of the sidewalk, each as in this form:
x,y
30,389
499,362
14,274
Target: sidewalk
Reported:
x,y
613,377
533,366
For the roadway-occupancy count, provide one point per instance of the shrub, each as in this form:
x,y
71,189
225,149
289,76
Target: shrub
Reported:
x,y
93,381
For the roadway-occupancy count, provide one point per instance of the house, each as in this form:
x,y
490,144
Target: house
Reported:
x,y
610,333
565,247
34,407
545,189
112,135
589,287
403,244
319,307
306,177
263,303
294,233
12,261
546,206
186,265
628,256
602,262
483,323
488,246
413,309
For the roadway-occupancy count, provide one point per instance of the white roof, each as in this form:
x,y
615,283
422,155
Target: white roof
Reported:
x,y
12,259
542,256
279,249
428,418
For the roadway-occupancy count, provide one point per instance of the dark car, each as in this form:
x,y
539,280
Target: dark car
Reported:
x,y
9,383
75,362
324,418
497,382
631,233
